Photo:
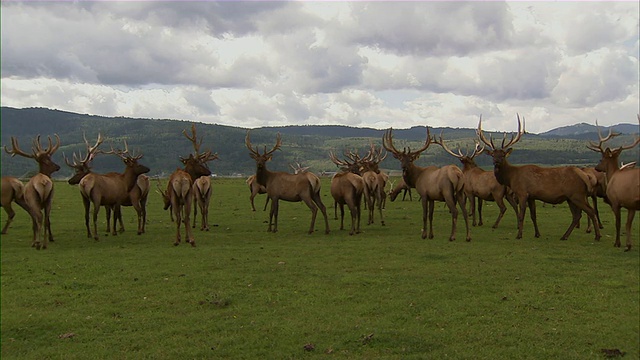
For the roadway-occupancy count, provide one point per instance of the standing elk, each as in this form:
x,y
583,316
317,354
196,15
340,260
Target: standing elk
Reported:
x,y
256,189
623,183
480,184
12,191
137,197
432,184
202,194
397,188
110,190
375,181
531,182
285,186
347,187
38,192
180,189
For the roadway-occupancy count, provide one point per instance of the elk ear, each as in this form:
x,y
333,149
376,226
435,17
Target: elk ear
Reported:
x,y
508,152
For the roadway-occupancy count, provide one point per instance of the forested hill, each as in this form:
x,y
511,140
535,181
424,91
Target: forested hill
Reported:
x,y
162,143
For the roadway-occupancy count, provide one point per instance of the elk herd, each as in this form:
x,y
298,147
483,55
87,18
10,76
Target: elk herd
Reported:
x,y
359,181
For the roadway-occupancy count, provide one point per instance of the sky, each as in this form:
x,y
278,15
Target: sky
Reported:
x,y
376,64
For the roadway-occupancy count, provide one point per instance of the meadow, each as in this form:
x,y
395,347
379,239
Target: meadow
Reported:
x,y
243,293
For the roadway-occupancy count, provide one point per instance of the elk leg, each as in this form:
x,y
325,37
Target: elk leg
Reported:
x,y
380,206
36,220
425,214
520,215
195,212
431,206
472,209
616,212
503,210
117,213
358,213
631,213
534,217
108,210
463,207
187,222
143,210
273,216
341,214
314,213
576,214
11,215
451,204
177,213
595,208
480,212
96,210
48,235
266,203
318,200
87,206
335,211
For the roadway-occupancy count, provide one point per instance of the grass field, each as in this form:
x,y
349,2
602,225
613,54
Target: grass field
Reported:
x,y
243,293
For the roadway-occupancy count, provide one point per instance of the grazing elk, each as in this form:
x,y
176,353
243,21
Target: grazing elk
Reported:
x,y
480,184
397,188
12,191
38,192
623,182
195,166
375,181
110,190
202,193
432,184
531,182
347,188
288,187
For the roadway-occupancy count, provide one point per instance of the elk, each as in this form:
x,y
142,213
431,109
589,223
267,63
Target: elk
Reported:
x,y
110,190
179,197
375,182
480,184
531,182
432,184
256,189
623,182
598,183
347,188
195,166
285,186
12,191
400,186
202,194
38,191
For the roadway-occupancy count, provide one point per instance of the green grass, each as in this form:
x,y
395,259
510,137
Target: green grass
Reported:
x,y
243,293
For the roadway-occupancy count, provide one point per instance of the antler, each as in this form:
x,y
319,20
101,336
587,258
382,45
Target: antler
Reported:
x,y
387,143
193,139
16,149
478,149
123,154
91,152
514,138
36,148
255,152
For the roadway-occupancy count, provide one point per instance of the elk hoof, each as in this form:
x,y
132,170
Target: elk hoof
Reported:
x,y
424,236
628,248
193,243
176,243
469,239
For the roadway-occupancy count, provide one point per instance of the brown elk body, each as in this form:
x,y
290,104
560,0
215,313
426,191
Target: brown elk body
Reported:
x,y
347,188
598,183
432,184
256,189
288,187
38,191
622,186
202,194
531,182
12,191
195,166
111,190
480,184
399,187
374,183
179,197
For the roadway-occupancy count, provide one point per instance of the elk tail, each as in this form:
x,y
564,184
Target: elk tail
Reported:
x,y
589,180
18,189
455,176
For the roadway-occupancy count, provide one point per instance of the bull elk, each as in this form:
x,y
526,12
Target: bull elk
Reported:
x,y
375,181
111,190
12,191
622,186
432,184
480,184
38,191
137,197
285,186
531,182
347,187
181,185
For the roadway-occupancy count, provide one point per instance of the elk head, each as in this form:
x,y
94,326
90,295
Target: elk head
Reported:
x,y
610,156
373,159
40,155
500,155
467,158
352,166
80,164
261,159
196,163
406,157
130,161
166,199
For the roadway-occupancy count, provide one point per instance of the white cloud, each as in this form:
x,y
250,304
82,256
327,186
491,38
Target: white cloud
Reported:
x,y
374,64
